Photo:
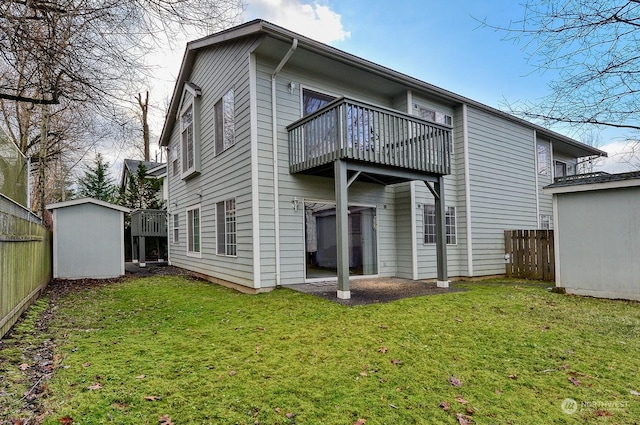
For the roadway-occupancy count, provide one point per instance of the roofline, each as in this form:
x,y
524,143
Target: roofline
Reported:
x,y
87,201
260,26
588,187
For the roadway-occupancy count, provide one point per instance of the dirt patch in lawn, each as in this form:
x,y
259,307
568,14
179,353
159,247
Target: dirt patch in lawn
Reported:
x,y
375,290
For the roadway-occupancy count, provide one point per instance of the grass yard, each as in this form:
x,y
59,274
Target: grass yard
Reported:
x,y
174,350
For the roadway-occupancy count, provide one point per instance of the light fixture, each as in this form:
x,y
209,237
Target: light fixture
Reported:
x,y
295,203
292,87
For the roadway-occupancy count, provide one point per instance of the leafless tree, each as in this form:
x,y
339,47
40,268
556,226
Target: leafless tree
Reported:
x,y
594,49
80,61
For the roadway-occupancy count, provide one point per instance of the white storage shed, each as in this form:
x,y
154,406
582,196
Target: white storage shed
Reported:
x,y
88,239
597,234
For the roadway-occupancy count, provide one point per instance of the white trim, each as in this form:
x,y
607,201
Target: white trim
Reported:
x,y
586,187
467,189
56,270
414,232
196,254
551,160
194,104
255,181
409,102
344,295
556,241
122,254
87,201
536,181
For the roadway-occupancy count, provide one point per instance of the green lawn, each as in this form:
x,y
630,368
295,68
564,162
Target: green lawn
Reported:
x,y
133,352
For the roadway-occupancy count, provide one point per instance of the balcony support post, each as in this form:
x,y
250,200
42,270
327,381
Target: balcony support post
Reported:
x,y
441,233
342,229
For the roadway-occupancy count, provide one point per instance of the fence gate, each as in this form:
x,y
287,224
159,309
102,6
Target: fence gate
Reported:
x,y
529,254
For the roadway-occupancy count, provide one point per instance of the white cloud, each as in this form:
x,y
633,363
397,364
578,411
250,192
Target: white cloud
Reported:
x,y
314,20
622,157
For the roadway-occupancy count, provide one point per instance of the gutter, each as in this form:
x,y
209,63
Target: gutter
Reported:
x,y
276,170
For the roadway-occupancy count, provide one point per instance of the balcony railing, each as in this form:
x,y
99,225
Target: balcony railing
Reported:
x,y
348,129
149,223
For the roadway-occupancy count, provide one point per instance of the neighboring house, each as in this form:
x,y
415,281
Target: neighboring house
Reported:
x,y
267,129
597,220
148,230
155,170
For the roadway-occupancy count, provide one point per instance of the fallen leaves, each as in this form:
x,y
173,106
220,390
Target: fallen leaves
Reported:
x,y
396,362
94,387
165,420
461,400
383,350
634,392
66,420
455,381
360,422
24,366
463,419
152,398
445,405
574,381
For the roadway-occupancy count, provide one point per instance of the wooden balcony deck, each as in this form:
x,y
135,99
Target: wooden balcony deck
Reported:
x,y
149,223
350,130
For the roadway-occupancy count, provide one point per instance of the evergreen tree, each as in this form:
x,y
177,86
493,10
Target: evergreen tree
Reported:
x,y
141,191
96,182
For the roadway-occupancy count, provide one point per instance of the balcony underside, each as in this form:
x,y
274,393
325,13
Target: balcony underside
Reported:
x,y
372,173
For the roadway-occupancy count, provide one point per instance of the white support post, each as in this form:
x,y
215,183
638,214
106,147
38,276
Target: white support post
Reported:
x,y
342,229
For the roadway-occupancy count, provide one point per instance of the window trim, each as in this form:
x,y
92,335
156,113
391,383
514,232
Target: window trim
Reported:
x,y
447,120
451,238
545,219
547,163
190,100
175,232
197,254
221,131
222,221
566,168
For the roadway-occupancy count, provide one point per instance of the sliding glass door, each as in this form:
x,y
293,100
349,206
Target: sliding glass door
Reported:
x,y
320,240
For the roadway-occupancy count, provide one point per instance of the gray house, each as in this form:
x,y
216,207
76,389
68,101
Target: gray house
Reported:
x,y
597,219
291,161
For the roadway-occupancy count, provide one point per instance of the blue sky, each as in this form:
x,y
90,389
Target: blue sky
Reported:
x,y
440,41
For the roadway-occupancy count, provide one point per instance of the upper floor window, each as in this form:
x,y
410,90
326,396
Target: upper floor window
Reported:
x,y
433,116
176,228
225,122
313,101
544,158
560,168
430,225
175,162
189,131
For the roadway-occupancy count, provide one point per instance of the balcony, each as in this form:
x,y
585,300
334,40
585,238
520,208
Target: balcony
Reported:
x,y
389,140
149,223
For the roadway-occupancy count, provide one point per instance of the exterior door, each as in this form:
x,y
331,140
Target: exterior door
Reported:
x,y
320,240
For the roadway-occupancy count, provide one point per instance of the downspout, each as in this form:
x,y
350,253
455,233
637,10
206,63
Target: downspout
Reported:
x,y
274,133
467,188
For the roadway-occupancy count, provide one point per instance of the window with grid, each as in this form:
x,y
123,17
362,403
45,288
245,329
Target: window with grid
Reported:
x,y
224,111
544,158
176,228
226,227
430,225
546,222
188,152
193,230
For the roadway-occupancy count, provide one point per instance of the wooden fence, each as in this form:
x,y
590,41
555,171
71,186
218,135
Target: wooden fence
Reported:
x,y
25,262
529,254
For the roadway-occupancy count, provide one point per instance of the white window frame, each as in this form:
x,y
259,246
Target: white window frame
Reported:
x,y
227,228
543,149
225,122
190,242
451,225
437,116
175,222
546,222
190,101
566,168
175,160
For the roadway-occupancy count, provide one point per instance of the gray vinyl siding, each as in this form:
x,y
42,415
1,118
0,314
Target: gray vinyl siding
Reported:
x,y
545,202
223,176
292,253
503,190
404,236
